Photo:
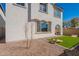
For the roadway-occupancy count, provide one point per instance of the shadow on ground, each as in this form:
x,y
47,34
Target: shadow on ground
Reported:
x,y
74,52
2,40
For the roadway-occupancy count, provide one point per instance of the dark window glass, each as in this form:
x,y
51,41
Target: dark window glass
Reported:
x,y
22,4
43,7
43,26
57,13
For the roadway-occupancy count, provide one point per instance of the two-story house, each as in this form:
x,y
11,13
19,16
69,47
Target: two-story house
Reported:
x,y
32,21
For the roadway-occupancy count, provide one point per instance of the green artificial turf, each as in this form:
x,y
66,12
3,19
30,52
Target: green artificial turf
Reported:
x,y
68,41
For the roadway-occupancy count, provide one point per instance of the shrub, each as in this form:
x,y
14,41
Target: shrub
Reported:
x,y
50,40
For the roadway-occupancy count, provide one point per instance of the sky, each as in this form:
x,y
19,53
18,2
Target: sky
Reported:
x,y
3,6
70,10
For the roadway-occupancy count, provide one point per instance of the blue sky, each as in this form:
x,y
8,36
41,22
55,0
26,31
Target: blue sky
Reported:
x,y
3,6
70,10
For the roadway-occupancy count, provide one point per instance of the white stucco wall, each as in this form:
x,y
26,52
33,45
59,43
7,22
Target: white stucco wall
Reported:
x,y
36,14
18,27
15,23
58,21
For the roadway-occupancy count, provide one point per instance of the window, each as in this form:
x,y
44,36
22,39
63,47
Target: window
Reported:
x,y
43,26
43,7
57,13
21,4
57,29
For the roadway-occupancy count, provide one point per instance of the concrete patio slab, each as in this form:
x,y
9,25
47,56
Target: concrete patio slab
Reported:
x,y
38,47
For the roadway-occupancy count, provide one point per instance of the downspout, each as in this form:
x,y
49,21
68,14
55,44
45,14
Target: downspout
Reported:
x,y
26,37
26,32
29,20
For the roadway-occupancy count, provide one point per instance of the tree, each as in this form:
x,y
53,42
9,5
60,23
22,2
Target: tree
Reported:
x,y
74,22
67,24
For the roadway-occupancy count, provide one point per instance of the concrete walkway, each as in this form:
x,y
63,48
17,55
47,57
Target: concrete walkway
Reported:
x,y
38,47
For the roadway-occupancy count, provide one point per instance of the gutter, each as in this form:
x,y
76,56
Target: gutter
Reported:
x,y
56,7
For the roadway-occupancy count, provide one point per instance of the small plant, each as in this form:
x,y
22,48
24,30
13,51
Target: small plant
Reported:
x,y
50,40
54,40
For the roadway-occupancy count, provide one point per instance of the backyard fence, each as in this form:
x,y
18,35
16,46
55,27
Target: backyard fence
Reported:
x,y
71,31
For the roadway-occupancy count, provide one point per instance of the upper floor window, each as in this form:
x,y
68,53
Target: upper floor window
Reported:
x,y
43,7
57,13
21,4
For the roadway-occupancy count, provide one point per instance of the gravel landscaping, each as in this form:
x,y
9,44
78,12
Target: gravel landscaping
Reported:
x,y
38,47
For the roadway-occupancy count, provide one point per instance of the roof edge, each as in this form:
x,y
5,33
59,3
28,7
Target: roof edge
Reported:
x,y
56,7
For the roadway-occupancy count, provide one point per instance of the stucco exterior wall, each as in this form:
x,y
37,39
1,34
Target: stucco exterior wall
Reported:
x,y
15,23
19,28
58,21
36,14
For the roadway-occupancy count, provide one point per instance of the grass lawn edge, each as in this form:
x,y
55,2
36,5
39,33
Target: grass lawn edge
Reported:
x,y
74,42
72,47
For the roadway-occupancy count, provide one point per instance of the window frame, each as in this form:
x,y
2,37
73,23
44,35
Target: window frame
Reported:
x,y
57,29
16,4
21,4
39,30
58,13
43,10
